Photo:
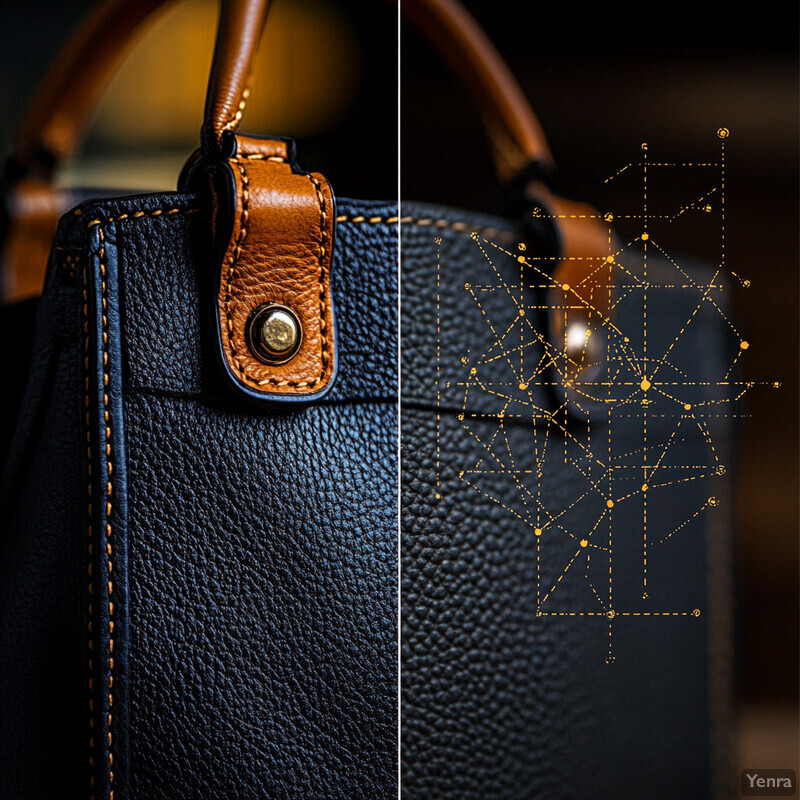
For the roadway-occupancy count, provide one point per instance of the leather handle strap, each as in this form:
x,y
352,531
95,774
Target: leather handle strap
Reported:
x,y
58,115
238,35
514,132
56,118
54,123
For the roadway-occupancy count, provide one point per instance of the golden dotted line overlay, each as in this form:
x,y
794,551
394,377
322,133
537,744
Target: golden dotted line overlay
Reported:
x,y
655,376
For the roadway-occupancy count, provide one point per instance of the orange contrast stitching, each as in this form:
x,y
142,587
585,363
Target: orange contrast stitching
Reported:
x,y
139,214
461,227
109,470
234,258
109,554
237,117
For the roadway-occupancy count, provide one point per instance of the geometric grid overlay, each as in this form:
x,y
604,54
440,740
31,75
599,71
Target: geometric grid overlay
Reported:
x,y
602,362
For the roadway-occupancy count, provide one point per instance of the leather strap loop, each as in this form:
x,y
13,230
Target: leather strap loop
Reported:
x,y
277,225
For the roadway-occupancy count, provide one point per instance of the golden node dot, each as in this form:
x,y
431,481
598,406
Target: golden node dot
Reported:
x,y
696,612
468,286
645,385
744,345
460,417
523,386
610,259
522,312
521,245
438,496
707,209
609,217
723,133
610,503
584,542
644,487
745,284
687,406
473,371
565,287
645,595
644,145
776,385
521,259
626,339
645,237
538,531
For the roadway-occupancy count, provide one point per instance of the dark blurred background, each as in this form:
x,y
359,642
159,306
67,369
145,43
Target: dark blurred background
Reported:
x,y
603,79
326,74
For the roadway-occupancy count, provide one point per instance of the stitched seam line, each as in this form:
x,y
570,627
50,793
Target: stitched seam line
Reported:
x,y
109,470
323,218
159,212
237,249
237,117
90,528
424,222
109,551
260,157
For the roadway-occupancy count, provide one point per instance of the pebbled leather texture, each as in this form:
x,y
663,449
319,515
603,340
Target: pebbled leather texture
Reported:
x,y
499,702
236,636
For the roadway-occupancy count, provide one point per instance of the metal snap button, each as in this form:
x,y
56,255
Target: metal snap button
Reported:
x,y
274,333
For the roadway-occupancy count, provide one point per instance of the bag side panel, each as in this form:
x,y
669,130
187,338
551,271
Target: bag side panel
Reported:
x,y
517,682
254,600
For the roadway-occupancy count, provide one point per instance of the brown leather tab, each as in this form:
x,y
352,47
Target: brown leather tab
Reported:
x,y
586,244
279,252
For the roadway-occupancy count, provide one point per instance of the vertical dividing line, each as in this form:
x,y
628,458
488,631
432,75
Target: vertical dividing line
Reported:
x,y
399,421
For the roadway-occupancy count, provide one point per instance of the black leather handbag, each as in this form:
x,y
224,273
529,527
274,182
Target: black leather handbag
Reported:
x,y
198,596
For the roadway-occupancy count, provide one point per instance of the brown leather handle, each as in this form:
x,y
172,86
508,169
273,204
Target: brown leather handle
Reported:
x,y
55,121
57,117
513,130
238,35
